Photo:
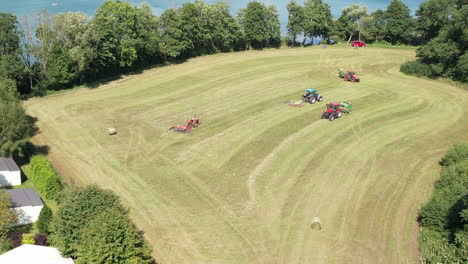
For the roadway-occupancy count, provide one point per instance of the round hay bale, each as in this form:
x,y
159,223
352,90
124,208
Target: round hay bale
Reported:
x,y
316,224
111,131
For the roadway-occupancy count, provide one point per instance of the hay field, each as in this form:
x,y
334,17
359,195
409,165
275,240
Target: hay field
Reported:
x,y
244,186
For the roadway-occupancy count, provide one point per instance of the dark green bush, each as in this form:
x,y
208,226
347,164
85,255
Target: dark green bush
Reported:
x,y
77,208
444,218
416,68
45,217
45,177
112,238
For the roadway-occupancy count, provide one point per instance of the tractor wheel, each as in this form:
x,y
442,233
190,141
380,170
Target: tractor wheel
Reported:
x,y
331,117
353,80
344,79
312,100
338,115
320,99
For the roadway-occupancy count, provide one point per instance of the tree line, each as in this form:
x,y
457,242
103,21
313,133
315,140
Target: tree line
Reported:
x,y
50,52
394,25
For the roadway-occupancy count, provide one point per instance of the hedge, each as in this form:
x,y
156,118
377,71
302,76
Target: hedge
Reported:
x,y
45,177
416,68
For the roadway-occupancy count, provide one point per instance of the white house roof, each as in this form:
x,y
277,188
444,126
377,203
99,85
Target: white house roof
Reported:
x,y
28,254
8,164
24,197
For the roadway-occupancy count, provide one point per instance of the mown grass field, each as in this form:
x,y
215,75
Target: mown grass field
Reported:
x,y
244,186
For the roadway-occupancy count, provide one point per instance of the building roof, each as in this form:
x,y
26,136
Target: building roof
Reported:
x,y
8,164
24,197
27,254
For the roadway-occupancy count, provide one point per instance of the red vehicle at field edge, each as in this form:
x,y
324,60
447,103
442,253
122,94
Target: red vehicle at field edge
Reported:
x,y
358,44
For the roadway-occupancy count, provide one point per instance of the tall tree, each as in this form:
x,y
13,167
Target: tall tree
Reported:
x,y
192,25
296,21
15,129
273,27
432,16
351,21
260,25
11,66
375,26
147,45
174,42
318,19
115,23
399,22
7,216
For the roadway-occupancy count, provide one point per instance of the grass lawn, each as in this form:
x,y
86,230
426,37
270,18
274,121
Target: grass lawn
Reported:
x,y
245,185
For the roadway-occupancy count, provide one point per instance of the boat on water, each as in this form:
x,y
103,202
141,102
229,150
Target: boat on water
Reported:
x,y
54,4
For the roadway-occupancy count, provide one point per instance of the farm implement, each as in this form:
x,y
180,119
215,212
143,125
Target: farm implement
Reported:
x,y
336,110
349,76
192,123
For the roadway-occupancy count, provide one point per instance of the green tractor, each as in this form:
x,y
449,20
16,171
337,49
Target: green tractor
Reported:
x,y
336,110
312,96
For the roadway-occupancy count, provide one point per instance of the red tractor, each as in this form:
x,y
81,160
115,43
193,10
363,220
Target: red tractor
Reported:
x,y
351,76
336,110
192,123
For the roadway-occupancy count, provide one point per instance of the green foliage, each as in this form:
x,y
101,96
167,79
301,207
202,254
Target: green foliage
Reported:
x,y
15,129
28,239
261,25
432,17
111,238
173,40
45,177
351,21
76,209
416,68
446,53
444,217
7,216
45,218
11,66
296,18
399,22
459,152
317,19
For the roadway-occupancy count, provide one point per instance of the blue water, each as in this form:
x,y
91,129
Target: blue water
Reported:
x,y
26,7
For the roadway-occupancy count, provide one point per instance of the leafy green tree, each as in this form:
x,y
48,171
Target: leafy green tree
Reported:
x,y
27,239
318,19
191,22
15,129
45,177
260,25
43,222
115,24
77,208
375,26
351,21
11,66
432,17
225,33
399,22
147,45
174,42
296,20
273,27
111,238
7,216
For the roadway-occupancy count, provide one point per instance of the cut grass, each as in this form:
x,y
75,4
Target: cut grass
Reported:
x,y
245,185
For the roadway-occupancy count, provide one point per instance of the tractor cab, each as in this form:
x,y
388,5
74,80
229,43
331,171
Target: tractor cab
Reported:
x,y
333,106
310,92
